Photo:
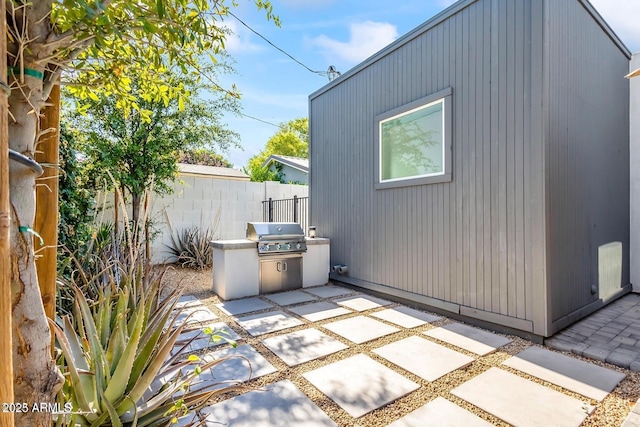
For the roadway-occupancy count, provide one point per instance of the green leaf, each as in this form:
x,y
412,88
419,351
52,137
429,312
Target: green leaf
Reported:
x,y
96,350
118,384
150,374
84,388
113,415
160,8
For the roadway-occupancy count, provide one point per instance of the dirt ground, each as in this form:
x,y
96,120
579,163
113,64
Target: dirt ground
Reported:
x,y
196,283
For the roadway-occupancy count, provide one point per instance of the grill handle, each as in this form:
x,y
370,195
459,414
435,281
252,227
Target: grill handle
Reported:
x,y
285,265
279,266
281,237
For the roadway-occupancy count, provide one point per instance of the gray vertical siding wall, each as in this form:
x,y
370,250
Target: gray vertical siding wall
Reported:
x,y
468,242
587,152
478,245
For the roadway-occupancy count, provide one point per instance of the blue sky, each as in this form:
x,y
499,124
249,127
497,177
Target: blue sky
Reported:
x,y
342,33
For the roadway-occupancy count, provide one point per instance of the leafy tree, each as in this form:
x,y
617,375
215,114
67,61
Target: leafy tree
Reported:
x,y
140,147
76,200
203,156
292,139
101,44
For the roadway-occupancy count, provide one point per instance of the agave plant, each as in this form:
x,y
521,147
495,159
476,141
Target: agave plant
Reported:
x,y
192,245
116,350
117,338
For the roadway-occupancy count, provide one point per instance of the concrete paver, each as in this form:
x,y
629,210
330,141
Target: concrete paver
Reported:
x,y
290,298
302,346
271,321
359,384
188,301
440,412
201,340
633,420
581,377
242,306
243,363
278,404
469,338
318,311
195,315
518,401
361,302
328,291
423,358
405,317
360,329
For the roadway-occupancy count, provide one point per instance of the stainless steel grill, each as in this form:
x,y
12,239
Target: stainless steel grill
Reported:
x,y
280,247
277,237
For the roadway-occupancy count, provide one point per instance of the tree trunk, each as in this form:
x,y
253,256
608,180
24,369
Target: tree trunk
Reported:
x,y
6,367
36,377
135,210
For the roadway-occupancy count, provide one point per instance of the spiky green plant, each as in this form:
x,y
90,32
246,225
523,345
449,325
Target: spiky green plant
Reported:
x,y
116,344
112,351
192,245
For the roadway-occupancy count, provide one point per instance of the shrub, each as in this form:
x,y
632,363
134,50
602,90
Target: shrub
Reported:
x,y
192,245
114,350
116,332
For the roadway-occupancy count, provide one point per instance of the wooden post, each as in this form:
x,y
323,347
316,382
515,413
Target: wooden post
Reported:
x,y
6,354
46,221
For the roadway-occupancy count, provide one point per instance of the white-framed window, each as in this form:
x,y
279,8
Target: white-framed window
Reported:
x,y
414,143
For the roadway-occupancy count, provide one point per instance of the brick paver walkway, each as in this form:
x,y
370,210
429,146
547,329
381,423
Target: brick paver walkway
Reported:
x,y
612,334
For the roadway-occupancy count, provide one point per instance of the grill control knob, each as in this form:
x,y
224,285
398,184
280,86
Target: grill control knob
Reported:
x,y
278,246
298,246
288,245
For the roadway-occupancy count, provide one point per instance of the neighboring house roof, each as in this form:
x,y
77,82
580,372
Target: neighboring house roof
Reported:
x,y
211,171
294,162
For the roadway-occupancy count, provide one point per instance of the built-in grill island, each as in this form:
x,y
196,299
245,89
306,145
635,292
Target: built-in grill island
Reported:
x,y
274,257
280,248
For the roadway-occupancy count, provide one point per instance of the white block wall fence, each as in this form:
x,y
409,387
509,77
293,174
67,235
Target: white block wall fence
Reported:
x,y
196,201
634,159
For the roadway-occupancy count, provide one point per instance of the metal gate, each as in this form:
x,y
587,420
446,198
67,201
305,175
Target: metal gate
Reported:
x,y
287,210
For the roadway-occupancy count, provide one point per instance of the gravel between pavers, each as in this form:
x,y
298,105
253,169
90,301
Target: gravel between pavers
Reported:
x,y
612,411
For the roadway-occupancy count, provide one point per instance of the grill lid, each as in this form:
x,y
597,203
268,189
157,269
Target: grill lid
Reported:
x,y
259,231
277,237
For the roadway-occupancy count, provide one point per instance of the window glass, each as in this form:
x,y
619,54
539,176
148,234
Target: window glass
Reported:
x,y
412,143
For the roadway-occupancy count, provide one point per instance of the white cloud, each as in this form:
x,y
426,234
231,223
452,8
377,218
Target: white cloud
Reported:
x,y
365,39
622,17
238,40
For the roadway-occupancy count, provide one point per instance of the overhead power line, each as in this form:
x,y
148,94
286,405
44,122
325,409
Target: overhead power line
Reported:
x,y
321,73
260,120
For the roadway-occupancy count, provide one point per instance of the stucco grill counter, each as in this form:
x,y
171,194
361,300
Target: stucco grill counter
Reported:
x,y
274,257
